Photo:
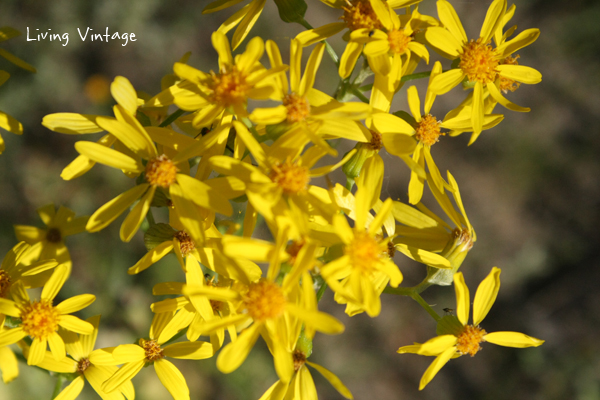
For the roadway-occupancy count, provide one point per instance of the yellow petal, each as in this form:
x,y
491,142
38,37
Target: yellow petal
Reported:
x,y
190,350
71,123
37,351
107,156
234,354
9,365
446,81
75,324
123,375
75,303
136,216
520,73
332,379
477,110
254,10
187,213
423,256
10,336
495,93
55,283
221,45
151,257
450,19
437,345
123,92
72,390
10,124
310,71
219,5
269,116
250,142
513,339
204,195
414,103
523,39
493,18
349,57
435,366
463,299
254,51
444,41
57,346
430,96
172,379
127,134
111,210
17,61
319,320
486,295
316,35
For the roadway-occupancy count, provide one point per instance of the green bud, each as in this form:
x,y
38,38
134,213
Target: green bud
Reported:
x,y
157,234
304,344
355,164
291,10
456,251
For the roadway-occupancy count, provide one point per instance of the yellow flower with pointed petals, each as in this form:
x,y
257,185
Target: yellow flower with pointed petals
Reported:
x,y
40,319
479,61
244,19
151,351
306,110
457,338
86,363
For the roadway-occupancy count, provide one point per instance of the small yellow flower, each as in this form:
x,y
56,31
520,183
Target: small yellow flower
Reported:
x,y
40,319
479,62
457,338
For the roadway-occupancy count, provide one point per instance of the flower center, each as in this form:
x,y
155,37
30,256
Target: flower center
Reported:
x,y
161,171
359,14
428,130
297,107
39,319
506,84
469,339
478,61
391,249
53,235
365,253
299,359
264,300
399,41
293,249
186,243
464,237
152,349
290,176
5,283
230,87
376,142
82,365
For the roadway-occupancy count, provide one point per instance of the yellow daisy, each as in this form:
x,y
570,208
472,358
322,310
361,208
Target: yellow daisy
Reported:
x,y
457,338
478,61
40,319
83,363
151,351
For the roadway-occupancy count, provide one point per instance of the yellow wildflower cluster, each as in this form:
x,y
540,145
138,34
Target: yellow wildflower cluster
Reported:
x,y
206,140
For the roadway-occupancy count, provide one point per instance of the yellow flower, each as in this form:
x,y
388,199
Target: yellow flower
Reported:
x,y
244,19
457,338
275,311
40,319
479,62
230,88
59,225
366,266
86,363
306,110
151,351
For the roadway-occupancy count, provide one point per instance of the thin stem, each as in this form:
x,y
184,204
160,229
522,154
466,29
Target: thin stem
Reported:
x,y
60,379
171,118
417,297
359,94
413,292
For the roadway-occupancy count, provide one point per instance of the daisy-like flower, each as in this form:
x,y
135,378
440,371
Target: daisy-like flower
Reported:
x,y
426,131
59,225
86,363
230,88
6,121
267,308
244,19
151,351
479,62
306,110
457,337
40,319
366,266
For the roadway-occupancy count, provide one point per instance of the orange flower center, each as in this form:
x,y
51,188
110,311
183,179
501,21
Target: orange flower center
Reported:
x,y
186,243
506,84
152,349
264,300
365,253
161,171
290,176
39,319
479,62
428,130
376,142
230,87
359,14
5,283
299,359
297,107
399,41
82,365
53,235
469,339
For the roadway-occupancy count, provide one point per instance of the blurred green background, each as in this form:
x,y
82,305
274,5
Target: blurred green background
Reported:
x,y
530,187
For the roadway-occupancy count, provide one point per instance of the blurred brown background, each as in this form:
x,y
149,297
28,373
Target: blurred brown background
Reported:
x,y
530,187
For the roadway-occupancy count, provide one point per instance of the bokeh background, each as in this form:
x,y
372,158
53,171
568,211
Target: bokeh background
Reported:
x,y
530,187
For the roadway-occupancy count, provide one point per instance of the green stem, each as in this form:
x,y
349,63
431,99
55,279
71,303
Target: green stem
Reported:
x,y
359,94
417,297
414,293
419,75
60,379
321,290
171,118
